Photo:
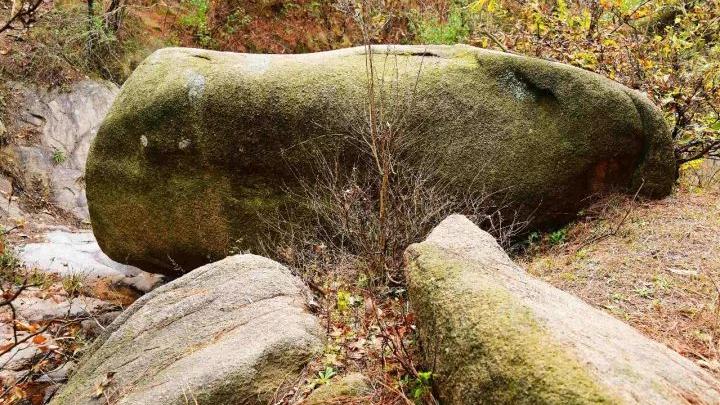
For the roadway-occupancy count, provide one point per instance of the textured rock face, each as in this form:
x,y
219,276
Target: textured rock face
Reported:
x,y
66,253
496,335
201,145
229,333
66,123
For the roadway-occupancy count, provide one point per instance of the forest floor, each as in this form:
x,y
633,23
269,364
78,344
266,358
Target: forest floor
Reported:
x,y
652,264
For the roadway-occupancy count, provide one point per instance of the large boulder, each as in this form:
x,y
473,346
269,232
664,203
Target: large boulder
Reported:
x,y
200,147
234,332
495,335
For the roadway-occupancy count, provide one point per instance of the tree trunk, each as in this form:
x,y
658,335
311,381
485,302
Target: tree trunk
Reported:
x,y
113,15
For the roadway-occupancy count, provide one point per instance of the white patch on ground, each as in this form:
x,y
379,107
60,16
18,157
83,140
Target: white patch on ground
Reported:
x,y
68,253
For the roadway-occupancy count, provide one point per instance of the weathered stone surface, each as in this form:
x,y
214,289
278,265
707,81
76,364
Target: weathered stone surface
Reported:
x,y
351,388
497,335
67,253
66,123
35,309
19,357
9,207
201,146
68,120
229,333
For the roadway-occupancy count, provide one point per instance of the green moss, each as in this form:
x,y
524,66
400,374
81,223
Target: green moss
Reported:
x,y
347,389
228,134
485,346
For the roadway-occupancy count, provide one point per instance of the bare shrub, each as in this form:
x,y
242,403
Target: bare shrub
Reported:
x,y
378,191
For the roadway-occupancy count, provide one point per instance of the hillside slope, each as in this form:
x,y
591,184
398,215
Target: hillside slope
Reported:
x,y
655,265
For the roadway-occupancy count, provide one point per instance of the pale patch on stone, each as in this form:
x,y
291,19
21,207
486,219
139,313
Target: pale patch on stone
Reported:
x,y
67,253
256,63
517,87
195,86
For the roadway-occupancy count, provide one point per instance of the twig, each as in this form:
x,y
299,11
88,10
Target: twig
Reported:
x,y
617,227
494,39
20,13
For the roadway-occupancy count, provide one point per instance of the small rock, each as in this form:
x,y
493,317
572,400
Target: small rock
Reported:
x,y
342,390
9,378
58,375
35,309
143,282
19,357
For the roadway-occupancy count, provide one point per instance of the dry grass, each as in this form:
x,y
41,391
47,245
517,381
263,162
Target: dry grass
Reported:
x,y
660,271
369,329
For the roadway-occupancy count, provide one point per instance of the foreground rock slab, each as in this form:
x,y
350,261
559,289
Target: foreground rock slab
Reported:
x,y
232,332
65,253
497,335
200,147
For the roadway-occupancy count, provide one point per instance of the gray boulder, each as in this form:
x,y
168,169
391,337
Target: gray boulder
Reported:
x,y
495,335
232,332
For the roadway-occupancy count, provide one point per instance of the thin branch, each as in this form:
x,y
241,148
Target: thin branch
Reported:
x,y
29,11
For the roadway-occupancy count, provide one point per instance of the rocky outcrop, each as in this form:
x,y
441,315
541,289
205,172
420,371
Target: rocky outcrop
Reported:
x,y
61,125
494,334
230,333
201,147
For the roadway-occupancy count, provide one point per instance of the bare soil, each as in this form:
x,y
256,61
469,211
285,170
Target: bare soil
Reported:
x,y
653,264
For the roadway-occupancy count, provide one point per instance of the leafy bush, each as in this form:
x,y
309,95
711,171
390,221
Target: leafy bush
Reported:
x,y
453,30
197,20
558,237
667,49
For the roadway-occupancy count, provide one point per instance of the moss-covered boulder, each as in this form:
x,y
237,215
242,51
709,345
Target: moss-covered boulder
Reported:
x,y
201,147
492,334
234,332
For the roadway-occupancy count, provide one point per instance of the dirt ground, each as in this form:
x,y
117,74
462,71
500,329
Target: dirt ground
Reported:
x,y
653,264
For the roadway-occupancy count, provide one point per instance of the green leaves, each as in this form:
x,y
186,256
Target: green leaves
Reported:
x,y
422,385
324,376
